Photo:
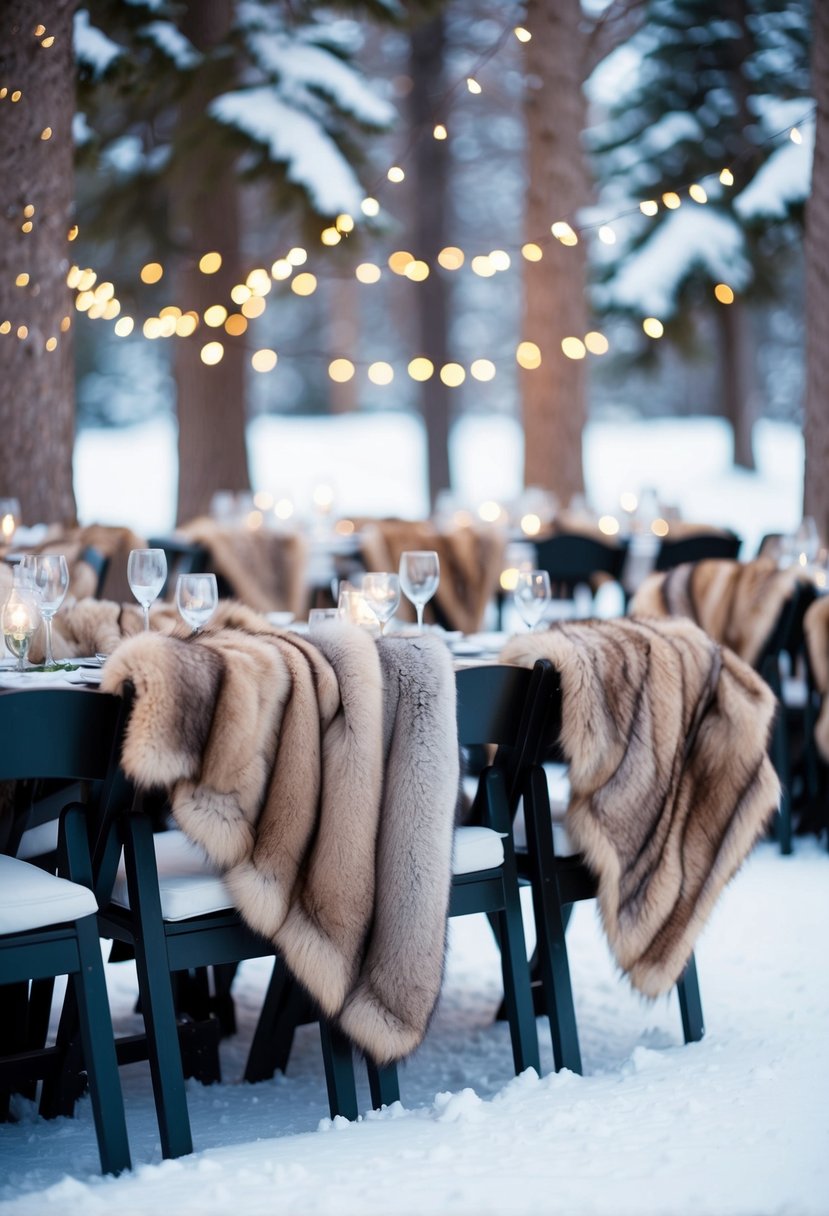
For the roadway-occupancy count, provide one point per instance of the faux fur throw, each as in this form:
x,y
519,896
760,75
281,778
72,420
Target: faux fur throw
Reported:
x,y
265,569
736,603
471,561
113,542
666,736
816,633
321,778
90,626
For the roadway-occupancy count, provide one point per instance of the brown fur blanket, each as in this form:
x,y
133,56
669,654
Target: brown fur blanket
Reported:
x,y
89,626
321,778
736,603
471,561
264,569
816,634
113,542
666,736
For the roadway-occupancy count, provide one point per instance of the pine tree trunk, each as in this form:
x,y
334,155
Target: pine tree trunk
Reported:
x,y
37,387
554,395
210,399
816,481
737,372
430,235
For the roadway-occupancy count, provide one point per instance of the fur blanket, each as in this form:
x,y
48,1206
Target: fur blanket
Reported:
x,y
816,634
90,626
736,603
471,561
113,543
666,735
264,569
322,779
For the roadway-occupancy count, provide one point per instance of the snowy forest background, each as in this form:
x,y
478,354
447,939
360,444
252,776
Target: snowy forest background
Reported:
x,y
670,142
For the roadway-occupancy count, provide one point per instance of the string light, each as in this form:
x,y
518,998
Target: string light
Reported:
x,y
573,348
532,252
209,263
264,360
152,272
451,258
421,369
607,235
528,356
304,284
482,265
671,200
236,325
649,206
653,327
482,369
395,174
521,34
562,231
381,373
440,131
472,85
452,375
698,193
367,272
795,136
341,370
726,177
124,326
724,293
211,353
370,207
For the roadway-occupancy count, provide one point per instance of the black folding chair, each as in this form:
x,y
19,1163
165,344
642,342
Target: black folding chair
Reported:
x,y
48,920
699,547
557,883
574,560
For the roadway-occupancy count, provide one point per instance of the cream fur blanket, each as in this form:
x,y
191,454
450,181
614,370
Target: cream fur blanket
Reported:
x,y
265,569
322,779
666,736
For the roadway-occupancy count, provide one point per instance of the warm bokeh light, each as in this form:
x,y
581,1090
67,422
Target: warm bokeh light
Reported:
x,y
573,348
660,527
297,256
152,272
532,252
451,258
628,501
22,280
490,511
399,260
727,177
304,284
263,360
367,272
795,136
531,524
482,369
240,292
698,193
46,133
236,324
607,235
86,280
671,200
22,332
528,355
330,236
187,324
522,34
215,315
380,372
649,206
370,207
472,85
440,131
596,342
254,307
395,174
211,353
452,375
259,281
608,524
481,265
341,370
653,327
209,263
417,271
509,579
283,508
500,259
281,269
562,231
344,222
51,344
421,368
724,293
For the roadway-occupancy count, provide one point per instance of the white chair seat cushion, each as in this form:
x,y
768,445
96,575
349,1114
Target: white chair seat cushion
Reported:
x,y
476,848
31,898
188,884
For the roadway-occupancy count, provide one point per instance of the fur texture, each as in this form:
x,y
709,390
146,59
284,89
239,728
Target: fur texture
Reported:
x,y
323,785
471,561
265,569
736,603
816,633
666,735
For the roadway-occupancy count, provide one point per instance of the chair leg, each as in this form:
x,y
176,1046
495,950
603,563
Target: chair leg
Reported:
x,y
690,1003
284,1008
98,1043
515,970
339,1072
551,921
383,1084
156,991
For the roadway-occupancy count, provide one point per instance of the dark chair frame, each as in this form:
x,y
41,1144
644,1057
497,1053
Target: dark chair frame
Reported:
x,y
701,546
572,559
70,736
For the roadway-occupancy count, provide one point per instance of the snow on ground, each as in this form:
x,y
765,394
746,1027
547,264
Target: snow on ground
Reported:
x,y
376,464
736,1125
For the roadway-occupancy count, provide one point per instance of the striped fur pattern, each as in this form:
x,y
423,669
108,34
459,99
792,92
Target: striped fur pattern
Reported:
x,y
321,777
670,783
736,603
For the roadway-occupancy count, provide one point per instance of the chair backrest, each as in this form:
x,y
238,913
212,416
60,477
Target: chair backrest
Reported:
x,y
571,559
696,548
99,563
183,557
499,705
787,637
64,736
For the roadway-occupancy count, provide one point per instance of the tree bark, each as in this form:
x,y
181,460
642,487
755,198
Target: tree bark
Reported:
x,y
554,395
37,388
431,161
210,399
738,378
816,429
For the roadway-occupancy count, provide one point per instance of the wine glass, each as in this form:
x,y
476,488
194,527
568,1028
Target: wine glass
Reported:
x,y
382,593
532,595
419,578
197,598
51,581
146,572
21,617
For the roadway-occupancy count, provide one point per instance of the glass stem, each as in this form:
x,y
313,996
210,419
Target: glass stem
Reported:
x,y
146,608
420,608
49,660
